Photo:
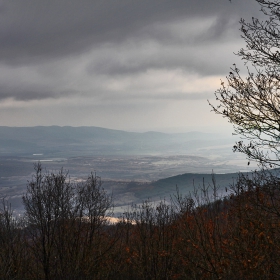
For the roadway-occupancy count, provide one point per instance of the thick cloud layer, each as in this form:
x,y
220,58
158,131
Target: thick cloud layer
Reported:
x,y
116,51
31,31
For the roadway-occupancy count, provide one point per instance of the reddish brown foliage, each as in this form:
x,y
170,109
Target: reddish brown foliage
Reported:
x,y
234,238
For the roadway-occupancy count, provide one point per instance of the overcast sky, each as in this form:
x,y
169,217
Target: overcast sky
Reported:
x,y
132,65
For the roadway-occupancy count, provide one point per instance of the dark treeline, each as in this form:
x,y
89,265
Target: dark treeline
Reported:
x,y
65,233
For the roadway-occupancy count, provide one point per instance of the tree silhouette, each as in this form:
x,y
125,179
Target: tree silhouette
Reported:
x,y
64,222
252,104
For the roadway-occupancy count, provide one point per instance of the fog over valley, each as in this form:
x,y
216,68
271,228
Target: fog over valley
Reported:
x,y
125,161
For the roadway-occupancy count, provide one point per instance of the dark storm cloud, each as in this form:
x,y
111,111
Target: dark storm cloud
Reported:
x,y
58,48
31,92
34,30
178,48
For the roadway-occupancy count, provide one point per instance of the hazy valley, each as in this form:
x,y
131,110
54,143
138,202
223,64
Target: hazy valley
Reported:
x,y
134,166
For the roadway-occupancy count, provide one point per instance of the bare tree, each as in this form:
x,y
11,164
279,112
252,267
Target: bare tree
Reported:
x,y
94,206
150,239
252,104
63,219
13,263
48,201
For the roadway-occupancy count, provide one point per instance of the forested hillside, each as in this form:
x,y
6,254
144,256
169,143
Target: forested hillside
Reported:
x,y
67,233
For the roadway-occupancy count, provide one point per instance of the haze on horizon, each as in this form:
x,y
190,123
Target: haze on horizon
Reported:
x,y
130,65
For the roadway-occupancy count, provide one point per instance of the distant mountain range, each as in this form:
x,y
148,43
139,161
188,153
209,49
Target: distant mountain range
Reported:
x,y
72,141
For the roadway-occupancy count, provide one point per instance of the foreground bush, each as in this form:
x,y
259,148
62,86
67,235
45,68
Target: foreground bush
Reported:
x,y
65,233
